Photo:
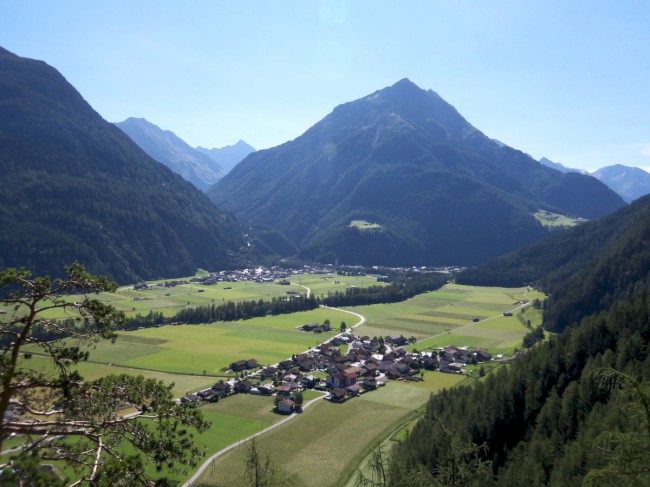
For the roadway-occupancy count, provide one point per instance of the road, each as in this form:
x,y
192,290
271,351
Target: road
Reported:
x,y
194,478
205,464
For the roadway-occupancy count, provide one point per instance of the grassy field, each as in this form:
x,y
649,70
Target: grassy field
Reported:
x,y
169,300
322,446
209,349
91,371
364,225
445,317
552,220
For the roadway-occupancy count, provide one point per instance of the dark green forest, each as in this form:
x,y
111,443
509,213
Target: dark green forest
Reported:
x,y
575,408
583,270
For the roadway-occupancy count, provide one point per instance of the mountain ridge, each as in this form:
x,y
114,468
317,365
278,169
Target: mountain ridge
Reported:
x,y
166,147
630,182
416,148
77,188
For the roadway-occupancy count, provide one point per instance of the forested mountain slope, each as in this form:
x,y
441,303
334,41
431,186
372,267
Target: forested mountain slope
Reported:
x,y
400,177
75,187
574,408
585,269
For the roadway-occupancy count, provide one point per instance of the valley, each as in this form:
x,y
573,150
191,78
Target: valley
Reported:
x,y
194,357
393,298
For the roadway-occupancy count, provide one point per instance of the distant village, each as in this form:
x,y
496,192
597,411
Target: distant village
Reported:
x,y
275,273
368,364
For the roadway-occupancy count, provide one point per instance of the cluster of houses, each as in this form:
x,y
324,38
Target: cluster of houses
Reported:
x,y
369,363
316,327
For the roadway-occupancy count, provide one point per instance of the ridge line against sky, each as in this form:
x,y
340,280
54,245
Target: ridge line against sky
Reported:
x,y
564,80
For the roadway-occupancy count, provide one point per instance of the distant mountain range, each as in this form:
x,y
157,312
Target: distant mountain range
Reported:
x,y
230,155
630,182
75,187
399,177
201,167
560,167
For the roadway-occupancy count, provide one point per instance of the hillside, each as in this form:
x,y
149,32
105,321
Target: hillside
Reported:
x,y
573,410
431,188
166,147
75,187
585,269
630,182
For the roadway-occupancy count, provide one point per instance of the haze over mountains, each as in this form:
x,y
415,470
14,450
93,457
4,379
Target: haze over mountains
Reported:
x,y
201,167
230,155
629,182
430,187
75,187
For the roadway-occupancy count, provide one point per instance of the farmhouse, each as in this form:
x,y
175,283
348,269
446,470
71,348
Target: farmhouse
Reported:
x,y
221,388
238,366
243,386
286,406
337,395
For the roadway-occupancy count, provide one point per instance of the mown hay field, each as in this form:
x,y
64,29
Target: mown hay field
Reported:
x,y
445,317
209,349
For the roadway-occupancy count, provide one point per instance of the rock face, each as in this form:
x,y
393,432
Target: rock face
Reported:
x,y
75,187
399,177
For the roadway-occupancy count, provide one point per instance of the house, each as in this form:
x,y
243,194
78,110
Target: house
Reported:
x,y
238,366
222,389
308,381
190,399
483,356
286,364
283,390
251,363
429,361
369,383
286,406
290,378
456,368
370,369
207,394
266,389
341,379
305,363
396,340
269,372
337,395
243,386
353,390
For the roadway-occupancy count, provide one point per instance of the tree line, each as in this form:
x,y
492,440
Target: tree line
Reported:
x,y
401,288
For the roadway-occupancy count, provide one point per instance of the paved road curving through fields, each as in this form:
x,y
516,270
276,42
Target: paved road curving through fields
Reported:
x,y
205,464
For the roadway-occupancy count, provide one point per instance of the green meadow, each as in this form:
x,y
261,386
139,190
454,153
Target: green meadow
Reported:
x,y
209,349
445,317
169,300
325,444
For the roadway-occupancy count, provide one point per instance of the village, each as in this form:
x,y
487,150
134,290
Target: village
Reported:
x,y
368,364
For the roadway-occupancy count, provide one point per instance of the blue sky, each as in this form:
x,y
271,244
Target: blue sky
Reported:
x,y
569,79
